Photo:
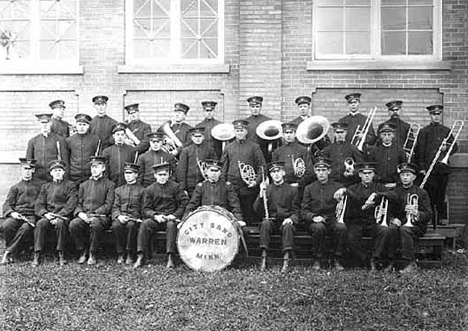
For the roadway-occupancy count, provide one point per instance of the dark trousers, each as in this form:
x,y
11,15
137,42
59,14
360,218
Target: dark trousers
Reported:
x,y
149,227
40,233
336,230
16,232
268,227
379,236
246,204
125,236
85,234
402,238
436,187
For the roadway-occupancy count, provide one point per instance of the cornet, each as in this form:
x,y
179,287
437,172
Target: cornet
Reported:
x,y
359,141
412,201
381,212
341,209
298,166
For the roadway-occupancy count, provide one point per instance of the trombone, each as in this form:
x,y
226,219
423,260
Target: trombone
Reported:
x,y
381,212
412,201
359,142
411,139
456,127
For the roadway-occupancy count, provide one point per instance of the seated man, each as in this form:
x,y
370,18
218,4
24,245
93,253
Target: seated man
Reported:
x,y
283,213
163,206
55,205
318,212
127,214
411,215
18,210
95,199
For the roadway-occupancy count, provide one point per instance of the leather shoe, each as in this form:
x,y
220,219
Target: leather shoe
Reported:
x,y
316,266
120,259
35,262
263,263
139,262
62,260
389,268
285,267
129,259
411,267
170,262
373,265
91,259
5,258
338,266
83,257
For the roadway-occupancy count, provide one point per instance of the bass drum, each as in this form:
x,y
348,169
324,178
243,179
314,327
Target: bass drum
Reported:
x,y
208,239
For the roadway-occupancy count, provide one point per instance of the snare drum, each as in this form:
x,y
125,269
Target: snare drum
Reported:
x,y
207,239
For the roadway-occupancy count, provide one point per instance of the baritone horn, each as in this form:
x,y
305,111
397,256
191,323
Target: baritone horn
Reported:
x,y
172,142
359,141
349,166
381,212
130,138
410,142
247,173
312,129
298,166
412,201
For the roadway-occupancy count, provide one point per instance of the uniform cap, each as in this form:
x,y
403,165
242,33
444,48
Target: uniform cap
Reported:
x,y
289,126
131,108
303,99
407,167
100,99
161,167
435,109
394,104
321,161
255,100
275,165
28,161
240,124
365,166
214,163
44,118
56,104
97,159
199,130
387,127
340,126
56,164
353,96
156,136
207,105
128,166
119,127
181,107
83,118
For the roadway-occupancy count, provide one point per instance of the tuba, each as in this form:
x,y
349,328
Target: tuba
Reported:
x,y
223,132
247,172
410,142
298,166
269,130
411,200
312,129
381,212
359,142
172,142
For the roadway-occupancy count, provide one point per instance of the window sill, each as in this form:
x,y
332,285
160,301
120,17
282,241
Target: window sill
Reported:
x,y
175,68
377,65
38,69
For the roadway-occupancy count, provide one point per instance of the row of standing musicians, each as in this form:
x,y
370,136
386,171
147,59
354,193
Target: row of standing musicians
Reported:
x,y
242,163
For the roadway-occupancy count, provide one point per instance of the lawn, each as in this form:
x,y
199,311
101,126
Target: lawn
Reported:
x,y
111,297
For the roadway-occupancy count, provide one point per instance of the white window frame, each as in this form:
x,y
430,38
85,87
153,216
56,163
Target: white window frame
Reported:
x,y
174,56
375,35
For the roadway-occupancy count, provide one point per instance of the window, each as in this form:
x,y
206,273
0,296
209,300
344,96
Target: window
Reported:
x,y
377,29
39,30
175,31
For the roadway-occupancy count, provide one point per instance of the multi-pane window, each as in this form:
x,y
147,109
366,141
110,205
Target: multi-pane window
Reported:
x,y
39,30
175,30
376,29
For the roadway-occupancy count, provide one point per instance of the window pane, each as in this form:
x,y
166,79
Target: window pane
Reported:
x,y
421,2
393,43
420,18
329,19
357,2
358,43
393,2
158,48
330,2
357,19
330,43
189,8
420,43
393,18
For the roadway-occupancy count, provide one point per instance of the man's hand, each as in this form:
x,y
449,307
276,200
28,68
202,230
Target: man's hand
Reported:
x,y
412,210
338,195
396,222
241,223
170,218
49,216
84,217
174,152
422,172
252,184
390,185
369,202
15,215
159,218
53,221
122,219
287,221
318,219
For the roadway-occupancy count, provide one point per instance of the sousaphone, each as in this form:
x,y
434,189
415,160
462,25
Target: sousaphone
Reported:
x,y
270,131
223,132
312,129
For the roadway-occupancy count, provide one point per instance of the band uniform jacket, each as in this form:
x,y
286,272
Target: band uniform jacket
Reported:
x,y
242,151
117,155
353,121
298,120
102,126
80,147
95,196
220,193
288,153
357,196
44,149
140,129
209,124
188,171
59,198
318,201
148,160
60,127
167,199
387,158
338,153
21,198
429,141
282,203
128,201
401,130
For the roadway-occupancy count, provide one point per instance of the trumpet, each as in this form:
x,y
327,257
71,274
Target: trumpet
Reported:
x,y
411,139
202,167
456,127
349,166
412,201
298,166
341,209
359,141
381,212
247,173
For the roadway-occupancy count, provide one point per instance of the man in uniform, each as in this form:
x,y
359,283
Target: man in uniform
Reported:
x,y
59,126
137,130
355,119
95,199
192,160
247,155
178,126
102,124
154,155
401,127
208,123
411,214
45,147
318,212
283,213
18,210
429,142
127,214
303,104
81,147
55,205
118,154
163,207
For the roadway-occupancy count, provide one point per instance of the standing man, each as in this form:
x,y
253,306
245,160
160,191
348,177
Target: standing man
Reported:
x,y
55,205
429,141
255,106
59,126
192,160
137,130
95,199
45,147
18,210
283,210
303,104
178,126
318,212
118,154
163,207
242,165
127,214
81,147
401,127
208,123
102,124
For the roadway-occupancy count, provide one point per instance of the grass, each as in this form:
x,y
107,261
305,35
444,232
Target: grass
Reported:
x,y
111,297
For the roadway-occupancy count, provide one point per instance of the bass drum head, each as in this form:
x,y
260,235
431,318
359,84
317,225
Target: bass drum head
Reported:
x,y
208,240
